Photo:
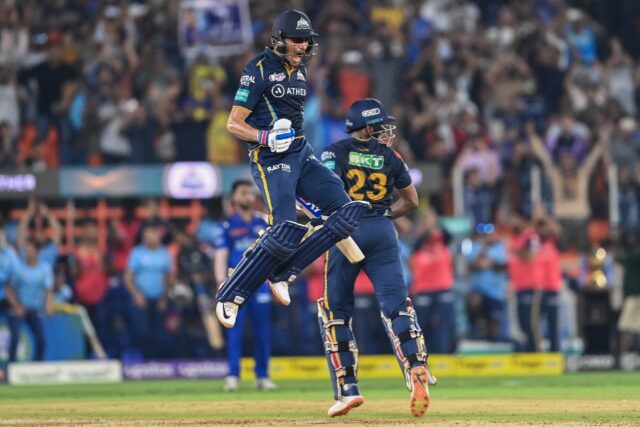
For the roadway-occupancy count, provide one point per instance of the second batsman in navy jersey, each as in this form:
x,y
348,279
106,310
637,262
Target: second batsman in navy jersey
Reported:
x,y
371,170
267,113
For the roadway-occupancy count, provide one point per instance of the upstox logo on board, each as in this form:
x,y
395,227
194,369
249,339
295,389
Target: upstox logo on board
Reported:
x,y
370,161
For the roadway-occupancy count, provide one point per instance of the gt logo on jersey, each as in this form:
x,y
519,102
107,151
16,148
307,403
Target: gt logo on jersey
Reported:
x,y
277,77
247,80
370,161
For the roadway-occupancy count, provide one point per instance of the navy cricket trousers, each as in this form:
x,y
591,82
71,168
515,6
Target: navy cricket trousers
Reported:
x,y
282,176
377,238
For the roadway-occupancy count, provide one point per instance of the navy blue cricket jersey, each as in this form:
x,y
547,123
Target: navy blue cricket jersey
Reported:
x,y
271,89
369,170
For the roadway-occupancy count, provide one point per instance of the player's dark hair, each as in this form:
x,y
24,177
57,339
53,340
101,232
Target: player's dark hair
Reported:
x,y
240,183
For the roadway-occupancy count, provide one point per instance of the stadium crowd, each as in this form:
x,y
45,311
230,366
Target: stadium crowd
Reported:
x,y
497,92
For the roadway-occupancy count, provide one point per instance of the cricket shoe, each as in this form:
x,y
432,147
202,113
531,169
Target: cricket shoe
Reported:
x,y
227,312
350,398
230,383
432,380
280,291
419,402
265,384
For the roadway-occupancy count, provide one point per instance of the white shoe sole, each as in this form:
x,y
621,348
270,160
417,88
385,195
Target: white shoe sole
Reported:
x,y
224,321
347,404
283,299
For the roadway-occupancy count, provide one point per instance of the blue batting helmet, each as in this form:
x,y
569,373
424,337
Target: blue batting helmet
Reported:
x,y
367,111
295,25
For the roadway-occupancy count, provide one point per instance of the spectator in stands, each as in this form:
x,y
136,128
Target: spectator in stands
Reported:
x,y
49,77
30,296
9,106
624,145
551,279
152,216
569,181
48,246
620,84
8,259
487,299
74,113
478,198
7,148
628,201
149,274
526,277
432,287
89,270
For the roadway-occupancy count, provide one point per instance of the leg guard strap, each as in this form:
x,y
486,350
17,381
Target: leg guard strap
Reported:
x,y
340,225
274,247
341,349
406,339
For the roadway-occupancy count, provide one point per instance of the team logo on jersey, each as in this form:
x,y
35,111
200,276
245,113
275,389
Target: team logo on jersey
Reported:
x,y
242,95
301,76
302,24
277,77
371,112
278,91
328,155
370,161
247,80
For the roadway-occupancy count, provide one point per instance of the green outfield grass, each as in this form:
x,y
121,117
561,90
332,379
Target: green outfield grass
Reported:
x,y
573,399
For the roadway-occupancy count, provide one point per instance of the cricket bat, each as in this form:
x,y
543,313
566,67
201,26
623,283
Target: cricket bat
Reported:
x,y
348,247
211,325
90,332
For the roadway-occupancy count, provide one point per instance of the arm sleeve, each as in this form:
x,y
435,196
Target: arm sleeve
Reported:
x,y
250,89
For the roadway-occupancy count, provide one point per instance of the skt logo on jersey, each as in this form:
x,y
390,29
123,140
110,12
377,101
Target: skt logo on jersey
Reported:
x,y
280,166
247,80
370,161
277,77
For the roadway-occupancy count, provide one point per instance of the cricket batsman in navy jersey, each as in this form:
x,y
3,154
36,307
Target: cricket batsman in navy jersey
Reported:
x,y
267,113
371,170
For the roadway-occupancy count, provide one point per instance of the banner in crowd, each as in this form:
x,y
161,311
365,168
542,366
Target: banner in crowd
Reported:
x,y
85,371
175,369
369,366
15,184
214,28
